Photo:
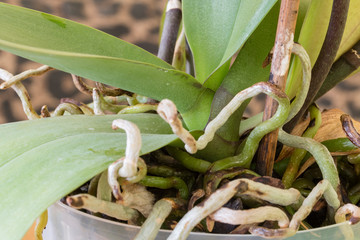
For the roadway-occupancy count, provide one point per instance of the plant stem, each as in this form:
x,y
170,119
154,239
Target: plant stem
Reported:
x,y
170,31
326,57
341,69
188,161
279,68
166,183
245,157
68,107
320,153
298,154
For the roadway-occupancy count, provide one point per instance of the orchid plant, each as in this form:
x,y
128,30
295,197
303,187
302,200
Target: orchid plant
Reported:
x,y
181,118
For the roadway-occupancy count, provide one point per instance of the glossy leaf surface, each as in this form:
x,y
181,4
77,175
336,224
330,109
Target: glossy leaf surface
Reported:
x,y
46,159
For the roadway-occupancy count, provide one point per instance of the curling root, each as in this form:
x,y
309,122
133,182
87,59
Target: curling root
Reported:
x,y
256,215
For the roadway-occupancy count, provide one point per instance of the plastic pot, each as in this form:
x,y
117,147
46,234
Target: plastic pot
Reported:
x,y
66,223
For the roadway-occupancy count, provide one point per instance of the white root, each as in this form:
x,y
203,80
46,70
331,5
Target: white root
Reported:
x,y
283,197
196,214
20,90
93,204
323,188
113,174
127,167
97,102
24,75
353,213
167,110
250,216
221,196
133,147
348,209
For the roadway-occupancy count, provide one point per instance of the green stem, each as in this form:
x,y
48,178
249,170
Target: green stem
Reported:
x,y
303,185
68,107
320,153
354,158
166,171
188,161
250,123
166,183
298,154
138,108
252,142
112,107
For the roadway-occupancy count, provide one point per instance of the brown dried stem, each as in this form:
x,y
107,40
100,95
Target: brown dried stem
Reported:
x,y
326,57
279,68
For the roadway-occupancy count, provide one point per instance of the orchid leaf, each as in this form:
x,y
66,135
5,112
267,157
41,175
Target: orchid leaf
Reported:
x,y
41,30
46,159
245,71
89,53
217,29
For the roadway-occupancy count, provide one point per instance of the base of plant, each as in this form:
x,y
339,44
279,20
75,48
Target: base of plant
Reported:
x,y
66,223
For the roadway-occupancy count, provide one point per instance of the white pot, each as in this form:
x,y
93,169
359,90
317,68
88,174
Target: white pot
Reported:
x,y
66,223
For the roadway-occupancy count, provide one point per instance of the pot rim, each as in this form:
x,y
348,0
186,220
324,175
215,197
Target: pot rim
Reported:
x,y
75,211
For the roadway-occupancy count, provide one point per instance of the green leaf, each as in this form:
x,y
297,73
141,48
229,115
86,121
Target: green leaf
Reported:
x,y
78,49
217,29
41,30
46,159
245,71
